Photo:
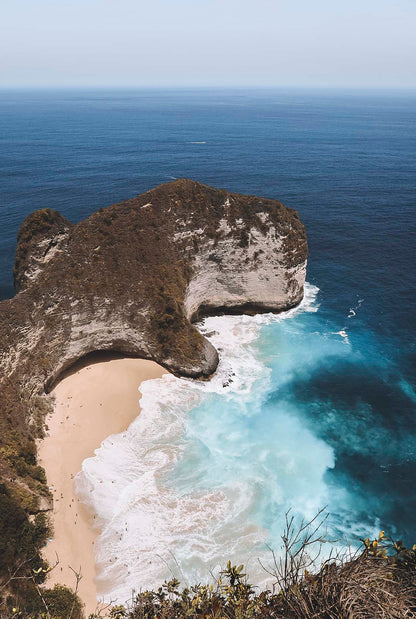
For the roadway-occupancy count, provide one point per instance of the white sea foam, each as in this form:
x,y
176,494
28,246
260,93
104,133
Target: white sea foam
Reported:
x,y
180,491
343,333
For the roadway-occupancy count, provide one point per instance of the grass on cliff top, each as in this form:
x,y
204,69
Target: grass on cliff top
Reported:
x,y
379,580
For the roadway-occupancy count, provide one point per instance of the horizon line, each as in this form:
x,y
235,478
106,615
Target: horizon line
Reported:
x,y
201,87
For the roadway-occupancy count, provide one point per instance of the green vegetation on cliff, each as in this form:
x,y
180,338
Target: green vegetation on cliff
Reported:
x,y
121,281
379,581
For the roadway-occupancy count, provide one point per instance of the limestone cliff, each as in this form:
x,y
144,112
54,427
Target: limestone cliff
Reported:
x,y
132,278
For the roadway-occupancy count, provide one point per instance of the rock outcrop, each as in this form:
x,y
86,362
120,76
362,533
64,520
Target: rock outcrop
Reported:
x,y
132,279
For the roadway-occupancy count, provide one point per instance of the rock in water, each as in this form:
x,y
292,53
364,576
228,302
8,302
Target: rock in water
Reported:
x,y
134,276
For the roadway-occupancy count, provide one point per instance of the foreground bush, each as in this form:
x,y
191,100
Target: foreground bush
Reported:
x,y
378,581
367,587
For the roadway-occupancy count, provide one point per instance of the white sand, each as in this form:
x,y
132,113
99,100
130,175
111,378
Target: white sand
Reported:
x,y
92,402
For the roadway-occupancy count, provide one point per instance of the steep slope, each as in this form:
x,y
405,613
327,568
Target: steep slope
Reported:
x,y
132,278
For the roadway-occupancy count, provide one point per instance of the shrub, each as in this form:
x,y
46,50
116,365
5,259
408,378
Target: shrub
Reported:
x,y
378,581
61,603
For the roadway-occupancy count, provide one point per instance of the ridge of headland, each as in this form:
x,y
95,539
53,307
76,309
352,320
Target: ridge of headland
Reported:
x,y
130,279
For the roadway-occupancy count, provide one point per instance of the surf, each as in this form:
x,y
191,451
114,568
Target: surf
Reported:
x,y
185,485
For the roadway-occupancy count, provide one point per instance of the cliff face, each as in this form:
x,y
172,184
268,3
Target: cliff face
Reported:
x,y
132,277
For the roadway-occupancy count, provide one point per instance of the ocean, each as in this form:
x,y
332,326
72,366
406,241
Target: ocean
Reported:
x,y
309,409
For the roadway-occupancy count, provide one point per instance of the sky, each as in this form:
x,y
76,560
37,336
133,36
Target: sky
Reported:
x,y
179,43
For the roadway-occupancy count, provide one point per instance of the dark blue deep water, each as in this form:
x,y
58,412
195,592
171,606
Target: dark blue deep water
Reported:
x,y
346,162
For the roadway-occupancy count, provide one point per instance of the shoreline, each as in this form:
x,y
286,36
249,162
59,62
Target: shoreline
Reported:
x,y
97,397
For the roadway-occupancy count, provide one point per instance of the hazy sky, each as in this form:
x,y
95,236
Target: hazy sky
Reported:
x,y
351,43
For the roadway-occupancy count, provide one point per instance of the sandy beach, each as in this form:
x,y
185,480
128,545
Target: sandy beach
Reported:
x,y
96,398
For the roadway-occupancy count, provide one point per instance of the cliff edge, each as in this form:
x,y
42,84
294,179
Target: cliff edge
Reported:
x,y
134,276
132,279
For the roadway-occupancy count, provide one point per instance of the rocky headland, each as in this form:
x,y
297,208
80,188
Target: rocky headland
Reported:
x,y
131,279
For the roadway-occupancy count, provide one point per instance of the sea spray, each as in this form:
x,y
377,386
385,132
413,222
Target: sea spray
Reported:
x,y
206,472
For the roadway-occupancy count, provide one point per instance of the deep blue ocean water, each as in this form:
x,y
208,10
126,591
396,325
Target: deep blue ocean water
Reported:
x,y
344,374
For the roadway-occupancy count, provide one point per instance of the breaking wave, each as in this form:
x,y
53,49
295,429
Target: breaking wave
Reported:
x,y
207,471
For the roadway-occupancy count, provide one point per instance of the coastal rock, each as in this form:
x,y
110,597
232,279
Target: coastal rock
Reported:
x,y
40,237
132,279
134,276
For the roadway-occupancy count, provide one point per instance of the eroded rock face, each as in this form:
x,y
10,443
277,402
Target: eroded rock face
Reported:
x,y
133,276
131,279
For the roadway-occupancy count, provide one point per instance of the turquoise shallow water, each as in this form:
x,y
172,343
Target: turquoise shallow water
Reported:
x,y
311,410
209,470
